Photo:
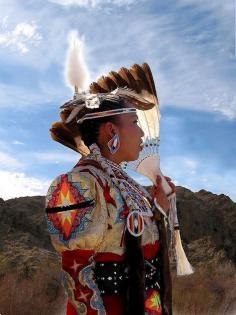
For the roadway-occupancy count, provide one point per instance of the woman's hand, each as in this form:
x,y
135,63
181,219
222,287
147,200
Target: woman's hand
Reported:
x,y
159,194
172,185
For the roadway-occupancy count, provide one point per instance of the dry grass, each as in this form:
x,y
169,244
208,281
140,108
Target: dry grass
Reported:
x,y
208,291
211,290
23,297
32,286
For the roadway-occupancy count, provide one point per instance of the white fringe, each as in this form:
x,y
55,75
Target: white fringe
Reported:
x,y
182,264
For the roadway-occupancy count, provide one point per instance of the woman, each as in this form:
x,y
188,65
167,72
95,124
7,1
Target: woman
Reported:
x,y
101,221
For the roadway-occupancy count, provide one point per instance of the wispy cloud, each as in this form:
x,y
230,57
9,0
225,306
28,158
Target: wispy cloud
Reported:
x,y
219,8
16,96
196,173
189,48
190,74
93,3
18,142
21,37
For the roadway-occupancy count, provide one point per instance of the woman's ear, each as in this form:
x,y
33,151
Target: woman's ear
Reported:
x,y
110,128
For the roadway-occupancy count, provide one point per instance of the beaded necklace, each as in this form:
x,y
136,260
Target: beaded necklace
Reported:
x,y
135,196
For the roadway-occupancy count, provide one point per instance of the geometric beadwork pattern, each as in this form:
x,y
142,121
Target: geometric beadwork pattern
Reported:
x,y
153,303
66,224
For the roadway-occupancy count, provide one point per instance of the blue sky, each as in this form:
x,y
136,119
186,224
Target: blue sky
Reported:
x,y
190,46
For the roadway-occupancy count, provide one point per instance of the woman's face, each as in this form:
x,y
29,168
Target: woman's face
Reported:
x,y
130,137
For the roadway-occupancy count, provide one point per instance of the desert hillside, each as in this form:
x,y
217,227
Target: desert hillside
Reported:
x,y
30,269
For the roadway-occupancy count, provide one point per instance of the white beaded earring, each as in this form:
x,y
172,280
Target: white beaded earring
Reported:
x,y
114,144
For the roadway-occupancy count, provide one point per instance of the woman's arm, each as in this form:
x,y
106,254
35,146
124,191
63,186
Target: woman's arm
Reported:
x,y
72,215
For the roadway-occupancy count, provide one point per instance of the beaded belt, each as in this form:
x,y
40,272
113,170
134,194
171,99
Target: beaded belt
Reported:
x,y
112,277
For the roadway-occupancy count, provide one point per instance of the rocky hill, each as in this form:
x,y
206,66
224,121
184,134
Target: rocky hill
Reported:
x,y
208,232
204,214
201,214
24,218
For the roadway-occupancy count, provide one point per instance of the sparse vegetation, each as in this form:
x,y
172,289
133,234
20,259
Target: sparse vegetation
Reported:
x,y
30,283
30,270
209,291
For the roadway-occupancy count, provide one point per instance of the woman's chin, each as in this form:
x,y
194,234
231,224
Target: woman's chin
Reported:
x,y
133,157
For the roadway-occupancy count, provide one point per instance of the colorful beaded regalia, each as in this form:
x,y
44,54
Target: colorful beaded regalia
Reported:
x,y
110,235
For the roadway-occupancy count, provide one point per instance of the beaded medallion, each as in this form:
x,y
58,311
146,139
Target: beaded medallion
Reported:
x,y
135,223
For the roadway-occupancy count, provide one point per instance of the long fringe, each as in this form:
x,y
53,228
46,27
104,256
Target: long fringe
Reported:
x,y
176,249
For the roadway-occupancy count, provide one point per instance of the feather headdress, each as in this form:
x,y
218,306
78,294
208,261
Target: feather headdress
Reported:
x,y
140,80
66,131
135,85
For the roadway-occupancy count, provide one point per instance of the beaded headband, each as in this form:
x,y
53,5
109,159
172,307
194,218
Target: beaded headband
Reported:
x,y
106,113
79,109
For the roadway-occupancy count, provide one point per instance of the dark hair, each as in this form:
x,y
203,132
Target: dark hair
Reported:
x,y
134,294
89,129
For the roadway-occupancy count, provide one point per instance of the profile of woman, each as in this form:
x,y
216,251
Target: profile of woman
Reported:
x,y
101,221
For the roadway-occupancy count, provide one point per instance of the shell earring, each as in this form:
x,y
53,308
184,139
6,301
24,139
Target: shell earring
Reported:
x,y
114,144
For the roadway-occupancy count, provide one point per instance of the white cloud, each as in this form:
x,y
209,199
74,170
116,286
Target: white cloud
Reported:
x,y
16,184
9,163
93,3
21,37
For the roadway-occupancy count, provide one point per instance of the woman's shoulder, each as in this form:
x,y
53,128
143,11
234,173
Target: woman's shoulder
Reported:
x,y
87,168
75,186
84,172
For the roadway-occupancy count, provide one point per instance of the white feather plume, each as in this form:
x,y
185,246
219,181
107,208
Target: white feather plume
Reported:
x,y
76,70
149,121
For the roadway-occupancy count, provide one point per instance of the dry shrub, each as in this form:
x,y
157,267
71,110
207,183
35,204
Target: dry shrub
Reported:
x,y
210,290
23,297
30,285
33,291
